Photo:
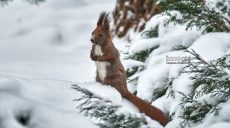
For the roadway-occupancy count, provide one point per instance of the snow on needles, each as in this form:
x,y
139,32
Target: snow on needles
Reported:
x,y
157,72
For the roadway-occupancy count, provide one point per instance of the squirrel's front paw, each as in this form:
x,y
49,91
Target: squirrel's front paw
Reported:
x,y
94,57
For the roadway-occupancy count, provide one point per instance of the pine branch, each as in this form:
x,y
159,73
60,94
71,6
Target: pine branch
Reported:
x,y
197,13
210,79
196,55
103,110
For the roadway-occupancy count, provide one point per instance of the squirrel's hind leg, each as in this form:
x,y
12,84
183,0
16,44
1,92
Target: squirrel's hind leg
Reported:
x,y
117,84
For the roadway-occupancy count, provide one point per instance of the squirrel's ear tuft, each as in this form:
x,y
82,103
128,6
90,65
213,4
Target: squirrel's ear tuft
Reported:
x,y
101,18
104,20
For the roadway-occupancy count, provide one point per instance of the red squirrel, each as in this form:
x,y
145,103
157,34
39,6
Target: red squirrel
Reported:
x,y
110,70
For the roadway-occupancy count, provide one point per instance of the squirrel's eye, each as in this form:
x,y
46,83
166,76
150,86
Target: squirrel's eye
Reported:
x,y
100,35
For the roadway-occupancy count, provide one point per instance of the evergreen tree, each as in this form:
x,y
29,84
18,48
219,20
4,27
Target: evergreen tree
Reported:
x,y
202,14
140,57
209,79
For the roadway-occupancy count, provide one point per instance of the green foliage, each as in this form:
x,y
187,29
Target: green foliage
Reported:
x,y
168,86
132,83
153,32
197,13
195,111
142,55
158,92
103,110
164,90
209,79
131,71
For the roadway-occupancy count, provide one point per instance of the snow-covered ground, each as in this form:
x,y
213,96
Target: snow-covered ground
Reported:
x,y
39,103
44,49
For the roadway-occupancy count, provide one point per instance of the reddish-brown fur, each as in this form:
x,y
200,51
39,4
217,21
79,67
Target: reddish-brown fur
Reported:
x,y
114,71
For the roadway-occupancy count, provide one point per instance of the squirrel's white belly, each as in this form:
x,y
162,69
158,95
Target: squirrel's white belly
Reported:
x,y
101,66
101,69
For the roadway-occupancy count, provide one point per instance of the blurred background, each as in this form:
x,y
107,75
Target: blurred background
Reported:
x,y
48,39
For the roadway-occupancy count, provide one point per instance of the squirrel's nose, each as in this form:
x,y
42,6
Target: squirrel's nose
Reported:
x,y
92,40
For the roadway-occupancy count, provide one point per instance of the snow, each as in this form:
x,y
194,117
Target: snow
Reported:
x,y
132,63
182,84
46,38
142,45
222,125
225,111
148,76
45,104
207,43
157,72
169,37
160,104
44,50
109,93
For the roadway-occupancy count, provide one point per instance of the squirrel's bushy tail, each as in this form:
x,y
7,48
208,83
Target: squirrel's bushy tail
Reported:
x,y
148,109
